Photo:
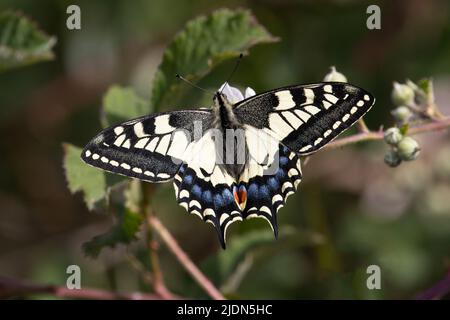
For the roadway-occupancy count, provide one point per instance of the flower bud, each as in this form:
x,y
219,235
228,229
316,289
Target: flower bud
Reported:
x,y
334,76
391,158
402,94
392,136
402,114
408,149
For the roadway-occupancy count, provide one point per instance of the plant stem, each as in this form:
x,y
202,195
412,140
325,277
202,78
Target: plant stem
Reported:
x,y
140,269
379,135
362,126
158,280
184,259
12,287
438,291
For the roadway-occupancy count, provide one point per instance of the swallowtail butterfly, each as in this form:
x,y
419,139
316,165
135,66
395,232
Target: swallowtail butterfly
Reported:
x,y
237,160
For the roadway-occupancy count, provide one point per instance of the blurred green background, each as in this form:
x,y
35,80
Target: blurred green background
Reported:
x,y
351,210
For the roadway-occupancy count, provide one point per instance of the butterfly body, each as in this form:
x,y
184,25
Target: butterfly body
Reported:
x,y
231,133
238,160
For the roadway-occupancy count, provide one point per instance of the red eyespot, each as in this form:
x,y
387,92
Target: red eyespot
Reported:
x,y
236,195
240,195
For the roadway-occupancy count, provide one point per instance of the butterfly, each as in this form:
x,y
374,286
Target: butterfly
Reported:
x,y
239,159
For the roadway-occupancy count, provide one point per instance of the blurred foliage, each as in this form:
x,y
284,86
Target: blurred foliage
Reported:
x,y
344,217
124,231
128,217
114,102
21,42
202,45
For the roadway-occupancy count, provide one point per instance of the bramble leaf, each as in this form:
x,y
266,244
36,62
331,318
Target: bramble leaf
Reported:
x,y
123,232
121,104
404,129
204,43
94,183
21,42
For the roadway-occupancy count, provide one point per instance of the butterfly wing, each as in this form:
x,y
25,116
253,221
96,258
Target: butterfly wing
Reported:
x,y
306,117
203,186
208,197
149,148
292,121
269,184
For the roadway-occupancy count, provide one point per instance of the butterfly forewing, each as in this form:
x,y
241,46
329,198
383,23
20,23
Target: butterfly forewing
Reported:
x,y
150,148
306,117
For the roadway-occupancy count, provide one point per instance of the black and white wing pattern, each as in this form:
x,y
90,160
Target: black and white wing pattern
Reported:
x,y
306,117
267,186
210,196
279,126
203,186
218,198
149,148
291,121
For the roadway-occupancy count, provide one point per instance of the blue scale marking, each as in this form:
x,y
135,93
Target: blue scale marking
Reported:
x,y
197,191
252,191
264,192
281,173
227,196
188,179
284,160
207,197
273,183
218,201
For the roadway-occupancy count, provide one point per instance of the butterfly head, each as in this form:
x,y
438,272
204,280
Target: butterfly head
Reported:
x,y
220,99
225,117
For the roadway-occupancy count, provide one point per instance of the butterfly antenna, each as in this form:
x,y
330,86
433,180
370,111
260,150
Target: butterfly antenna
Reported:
x,y
238,61
192,84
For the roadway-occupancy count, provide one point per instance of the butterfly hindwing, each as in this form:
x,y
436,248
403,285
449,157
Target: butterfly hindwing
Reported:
x,y
148,148
306,117
267,189
213,203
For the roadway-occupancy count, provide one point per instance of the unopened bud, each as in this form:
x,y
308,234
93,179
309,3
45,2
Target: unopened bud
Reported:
x,y
402,94
408,149
392,159
402,114
392,136
334,76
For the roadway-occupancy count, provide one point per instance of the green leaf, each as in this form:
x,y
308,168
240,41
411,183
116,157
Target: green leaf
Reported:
x,y
239,246
220,266
93,182
425,85
203,44
260,245
121,104
123,232
404,129
21,42
134,195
